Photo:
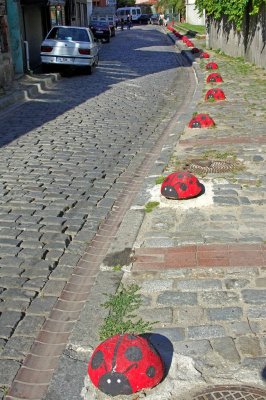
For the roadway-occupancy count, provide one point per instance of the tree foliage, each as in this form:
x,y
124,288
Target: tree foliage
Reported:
x,y
234,10
125,3
171,5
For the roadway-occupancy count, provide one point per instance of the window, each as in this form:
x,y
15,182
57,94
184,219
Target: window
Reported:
x,y
77,35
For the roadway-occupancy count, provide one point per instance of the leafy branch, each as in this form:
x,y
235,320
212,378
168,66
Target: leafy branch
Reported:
x,y
121,307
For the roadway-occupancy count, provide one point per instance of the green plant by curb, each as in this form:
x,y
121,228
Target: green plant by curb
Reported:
x,y
159,180
117,267
151,205
120,319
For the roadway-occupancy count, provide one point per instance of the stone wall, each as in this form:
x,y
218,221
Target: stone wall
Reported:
x,y
250,43
6,65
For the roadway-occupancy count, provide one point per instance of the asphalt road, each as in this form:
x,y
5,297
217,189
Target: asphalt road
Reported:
x,y
61,155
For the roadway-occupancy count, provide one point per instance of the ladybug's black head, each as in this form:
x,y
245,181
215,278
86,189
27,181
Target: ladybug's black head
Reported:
x,y
169,192
196,124
114,383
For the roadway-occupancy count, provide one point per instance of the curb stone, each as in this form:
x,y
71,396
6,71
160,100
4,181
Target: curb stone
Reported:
x,y
26,88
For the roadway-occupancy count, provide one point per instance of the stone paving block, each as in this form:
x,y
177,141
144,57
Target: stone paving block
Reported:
x,y
218,298
177,298
205,332
42,305
224,314
18,294
153,285
189,315
53,288
253,296
29,326
12,282
226,348
10,318
249,346
17,348
8,371
193,348
162,315
15,305
197,284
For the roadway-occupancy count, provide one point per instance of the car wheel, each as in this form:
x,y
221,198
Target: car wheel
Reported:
x,y
89,70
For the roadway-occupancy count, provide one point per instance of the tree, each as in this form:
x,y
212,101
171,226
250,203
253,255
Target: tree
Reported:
x,y
234,10
175,6
125,3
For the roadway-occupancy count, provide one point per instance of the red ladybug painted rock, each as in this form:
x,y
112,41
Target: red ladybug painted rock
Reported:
x,y
181,185
201,121
204,55
214,77
215,94
195,50
125,364
211,65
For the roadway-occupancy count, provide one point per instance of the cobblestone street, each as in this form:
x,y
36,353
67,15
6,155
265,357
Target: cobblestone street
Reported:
x,y
61,158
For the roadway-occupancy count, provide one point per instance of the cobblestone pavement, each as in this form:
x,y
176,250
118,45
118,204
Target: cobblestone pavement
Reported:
x,y
63,155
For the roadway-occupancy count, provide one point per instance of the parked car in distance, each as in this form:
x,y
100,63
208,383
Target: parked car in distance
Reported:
x,y
143,19
101,30
154,19
69,46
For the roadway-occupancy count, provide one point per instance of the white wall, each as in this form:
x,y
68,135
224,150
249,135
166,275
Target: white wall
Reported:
x,y
192,15
249,45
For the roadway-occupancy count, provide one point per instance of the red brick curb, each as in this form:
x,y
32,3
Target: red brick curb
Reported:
x,y
200,256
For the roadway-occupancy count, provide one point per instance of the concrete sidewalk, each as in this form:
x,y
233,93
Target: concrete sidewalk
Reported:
x,y
200,263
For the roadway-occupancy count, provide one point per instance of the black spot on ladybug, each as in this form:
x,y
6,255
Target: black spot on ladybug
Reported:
x,y
191,182
150,372
203,117
183,186
180,175
133,353
97,359
115,383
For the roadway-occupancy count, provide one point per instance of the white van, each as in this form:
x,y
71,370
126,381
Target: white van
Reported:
x,y
123,12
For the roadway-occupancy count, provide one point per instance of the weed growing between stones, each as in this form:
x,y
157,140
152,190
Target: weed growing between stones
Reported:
x,y
151,205
159,180
120,319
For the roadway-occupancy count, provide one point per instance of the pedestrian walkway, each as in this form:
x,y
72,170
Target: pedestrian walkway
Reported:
x,y
200,263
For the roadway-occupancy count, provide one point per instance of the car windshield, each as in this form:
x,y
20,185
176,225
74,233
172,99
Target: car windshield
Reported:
x,y
62,33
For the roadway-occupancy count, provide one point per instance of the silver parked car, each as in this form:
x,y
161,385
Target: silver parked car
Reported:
x,y
70,46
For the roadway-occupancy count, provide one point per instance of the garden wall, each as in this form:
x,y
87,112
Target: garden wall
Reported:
x,y
250,43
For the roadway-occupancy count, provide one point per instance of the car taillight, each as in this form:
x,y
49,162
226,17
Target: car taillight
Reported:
x,y
46,49
84,51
